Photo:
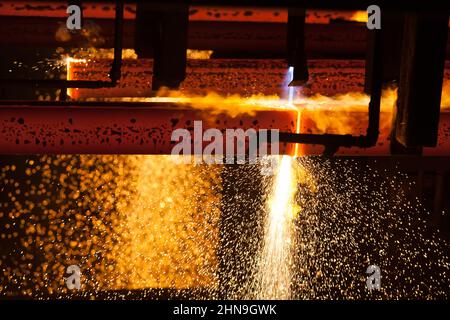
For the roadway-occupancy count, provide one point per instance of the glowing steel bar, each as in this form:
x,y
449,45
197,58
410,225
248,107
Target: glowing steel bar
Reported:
x,y
105,10
137,128
120,128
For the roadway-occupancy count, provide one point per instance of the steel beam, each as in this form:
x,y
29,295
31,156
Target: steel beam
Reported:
x,y
120,128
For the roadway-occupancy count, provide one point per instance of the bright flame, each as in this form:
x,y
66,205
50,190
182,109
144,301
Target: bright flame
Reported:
x,y
232,105
289,78
359,16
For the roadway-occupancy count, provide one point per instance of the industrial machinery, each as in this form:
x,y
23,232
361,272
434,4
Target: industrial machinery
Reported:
x,y
161,33
138,70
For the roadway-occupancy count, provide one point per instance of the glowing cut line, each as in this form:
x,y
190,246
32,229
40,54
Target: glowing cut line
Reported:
x,y
290,104
69,76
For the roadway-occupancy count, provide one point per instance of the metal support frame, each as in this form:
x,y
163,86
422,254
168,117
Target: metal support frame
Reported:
x,y
114,74
421,77
170,43
391,39
332,142
161,33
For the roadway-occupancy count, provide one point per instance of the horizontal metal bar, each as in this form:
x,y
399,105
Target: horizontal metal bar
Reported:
x,y
323,139
54,83
319,4
123,128
80,104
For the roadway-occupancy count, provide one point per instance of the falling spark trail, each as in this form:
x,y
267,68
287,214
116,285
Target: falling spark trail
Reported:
x,y
274,276
274,271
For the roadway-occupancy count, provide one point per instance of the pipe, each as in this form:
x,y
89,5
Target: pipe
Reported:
x,y
333,141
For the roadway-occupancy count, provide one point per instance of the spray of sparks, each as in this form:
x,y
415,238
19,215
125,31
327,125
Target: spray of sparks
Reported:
x,y
149,225
146,223
274,274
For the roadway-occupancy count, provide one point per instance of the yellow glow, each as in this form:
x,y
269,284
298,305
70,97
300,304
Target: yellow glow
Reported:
x,y
199,54
69,61
159,224
359,16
